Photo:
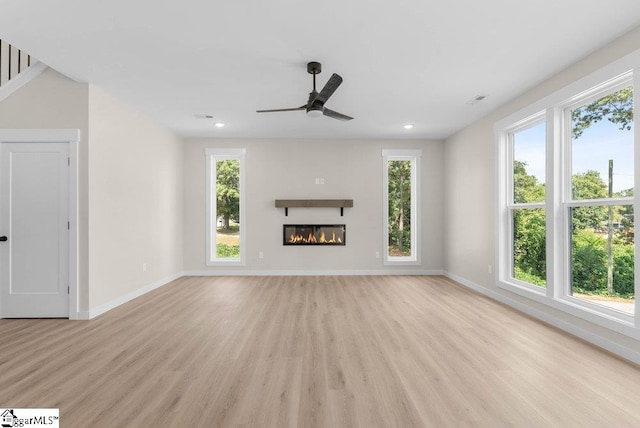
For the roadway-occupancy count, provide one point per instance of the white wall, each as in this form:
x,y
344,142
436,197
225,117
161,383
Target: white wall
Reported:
x,y
52,100
135,201
469,179
286,169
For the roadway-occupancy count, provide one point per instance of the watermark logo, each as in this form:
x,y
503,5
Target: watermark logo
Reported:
x,y
10,418
6,418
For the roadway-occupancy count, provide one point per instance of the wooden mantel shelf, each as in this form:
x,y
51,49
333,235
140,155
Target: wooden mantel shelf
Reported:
x,y
314,203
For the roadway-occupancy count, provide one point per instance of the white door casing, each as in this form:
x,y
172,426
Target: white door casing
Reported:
x,y
38,215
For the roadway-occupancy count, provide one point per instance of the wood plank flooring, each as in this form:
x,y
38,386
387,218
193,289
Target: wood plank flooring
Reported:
x,y
366,351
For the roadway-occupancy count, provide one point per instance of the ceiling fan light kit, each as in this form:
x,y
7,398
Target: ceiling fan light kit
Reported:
x,y
315,105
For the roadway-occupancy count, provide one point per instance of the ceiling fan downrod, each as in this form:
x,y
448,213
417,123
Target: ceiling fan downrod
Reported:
x,y
314,68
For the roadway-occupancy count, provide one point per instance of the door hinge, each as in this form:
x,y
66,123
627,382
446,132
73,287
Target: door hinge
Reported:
x,y
69,161
68,225
67,289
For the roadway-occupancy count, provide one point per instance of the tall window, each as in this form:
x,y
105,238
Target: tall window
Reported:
x,y
225,206
599,199
566,203
401,206
527,203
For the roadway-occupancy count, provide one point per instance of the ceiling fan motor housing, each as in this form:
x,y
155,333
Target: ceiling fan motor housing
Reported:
x,y
314,67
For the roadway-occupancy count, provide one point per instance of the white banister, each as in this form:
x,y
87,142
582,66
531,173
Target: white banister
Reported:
x,y
13,61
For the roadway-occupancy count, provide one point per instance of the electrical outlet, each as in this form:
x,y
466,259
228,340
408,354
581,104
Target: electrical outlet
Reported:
x,y
377,254
260,255
489,269
144,267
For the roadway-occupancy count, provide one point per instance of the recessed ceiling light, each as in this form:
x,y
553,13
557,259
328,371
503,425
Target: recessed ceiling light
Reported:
x,y
475,100
219,125
204,116
408,126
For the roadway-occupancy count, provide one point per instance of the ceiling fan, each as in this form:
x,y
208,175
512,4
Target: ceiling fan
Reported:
x,y
315,106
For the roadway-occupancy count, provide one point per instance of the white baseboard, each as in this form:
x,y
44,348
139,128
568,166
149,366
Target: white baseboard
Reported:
x,y
589,336
92,313
229,272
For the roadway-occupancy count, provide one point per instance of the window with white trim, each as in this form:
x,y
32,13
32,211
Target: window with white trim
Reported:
x,y
401,206
566,179
598,199
225,207
527,203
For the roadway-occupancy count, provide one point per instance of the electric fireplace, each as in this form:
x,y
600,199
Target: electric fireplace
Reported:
x,y
314,234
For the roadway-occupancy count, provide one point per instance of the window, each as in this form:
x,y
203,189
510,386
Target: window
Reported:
x,y
401,178
566,179
527,204
599,200
225,206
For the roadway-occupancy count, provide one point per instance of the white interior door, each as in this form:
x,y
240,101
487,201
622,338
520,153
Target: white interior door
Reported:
x,y
34,216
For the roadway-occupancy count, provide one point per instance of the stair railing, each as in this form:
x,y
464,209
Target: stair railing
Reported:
x,y
13,61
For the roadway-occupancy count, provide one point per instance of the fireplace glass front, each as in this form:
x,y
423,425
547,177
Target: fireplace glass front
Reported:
x,y
314,234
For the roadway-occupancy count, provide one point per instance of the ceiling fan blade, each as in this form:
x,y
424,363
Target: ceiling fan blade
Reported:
x,y
329,88
335,114
282,109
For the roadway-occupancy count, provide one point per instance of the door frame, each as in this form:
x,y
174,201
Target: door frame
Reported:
x,y
72,138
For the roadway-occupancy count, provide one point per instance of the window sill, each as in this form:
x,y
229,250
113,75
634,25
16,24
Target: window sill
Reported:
x,y
528,291
225,262
609,319
401,262
594,312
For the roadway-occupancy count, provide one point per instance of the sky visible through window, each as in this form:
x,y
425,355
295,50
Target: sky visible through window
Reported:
x,y
591,151
529,148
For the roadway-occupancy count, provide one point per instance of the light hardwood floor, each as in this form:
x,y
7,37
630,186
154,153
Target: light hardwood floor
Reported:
x,y
314,351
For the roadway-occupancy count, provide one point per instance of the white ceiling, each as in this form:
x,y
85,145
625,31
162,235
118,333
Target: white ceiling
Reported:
x,y
410,61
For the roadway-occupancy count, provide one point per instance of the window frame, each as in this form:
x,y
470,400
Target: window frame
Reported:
x,y
512,206
624,72
563,293
414,156
212,155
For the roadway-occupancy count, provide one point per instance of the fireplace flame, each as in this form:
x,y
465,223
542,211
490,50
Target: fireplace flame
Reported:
x,y
311,238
